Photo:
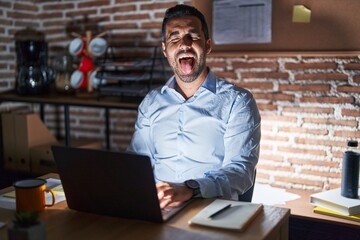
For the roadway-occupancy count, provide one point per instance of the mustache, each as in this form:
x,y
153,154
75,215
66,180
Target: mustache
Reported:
x,y
186,51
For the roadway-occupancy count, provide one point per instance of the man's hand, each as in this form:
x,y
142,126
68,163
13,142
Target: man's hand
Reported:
x,y
172,194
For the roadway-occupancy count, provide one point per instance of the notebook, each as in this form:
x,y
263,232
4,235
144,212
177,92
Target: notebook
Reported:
x,y
110,183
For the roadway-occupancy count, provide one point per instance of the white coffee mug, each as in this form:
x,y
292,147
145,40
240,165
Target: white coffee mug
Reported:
x,y
97,46
95,81
76,47
78,79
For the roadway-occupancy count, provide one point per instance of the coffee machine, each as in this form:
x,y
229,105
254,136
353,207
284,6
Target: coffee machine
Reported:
x,y
33,75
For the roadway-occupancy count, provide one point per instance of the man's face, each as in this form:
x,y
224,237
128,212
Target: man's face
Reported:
x,y
185,47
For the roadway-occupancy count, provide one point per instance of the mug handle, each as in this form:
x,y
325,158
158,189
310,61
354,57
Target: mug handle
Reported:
x,y
53,197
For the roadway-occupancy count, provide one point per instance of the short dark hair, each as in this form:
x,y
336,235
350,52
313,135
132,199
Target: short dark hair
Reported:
x,y
184,10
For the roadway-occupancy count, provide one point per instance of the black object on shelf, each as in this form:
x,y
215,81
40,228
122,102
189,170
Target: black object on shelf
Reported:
x,y
131,71
350,171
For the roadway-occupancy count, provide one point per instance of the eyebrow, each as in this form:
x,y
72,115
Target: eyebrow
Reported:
x,y
191,31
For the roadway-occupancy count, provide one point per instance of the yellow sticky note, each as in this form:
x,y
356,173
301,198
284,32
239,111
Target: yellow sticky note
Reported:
x,y
301,14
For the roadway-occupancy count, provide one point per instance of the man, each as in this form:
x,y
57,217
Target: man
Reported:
x,y
201,133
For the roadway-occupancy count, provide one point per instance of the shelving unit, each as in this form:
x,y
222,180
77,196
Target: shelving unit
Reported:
x,y
132,71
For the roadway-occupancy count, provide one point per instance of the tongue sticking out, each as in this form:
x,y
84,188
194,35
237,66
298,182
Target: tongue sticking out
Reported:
x,y
186,65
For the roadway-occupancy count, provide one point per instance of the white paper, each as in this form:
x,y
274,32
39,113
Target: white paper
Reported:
x,y
269,195
51,183
241,21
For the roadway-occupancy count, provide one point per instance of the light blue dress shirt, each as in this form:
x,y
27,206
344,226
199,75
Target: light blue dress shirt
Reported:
x,y
213,137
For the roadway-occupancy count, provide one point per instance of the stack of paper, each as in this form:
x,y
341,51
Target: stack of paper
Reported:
x,y
332,203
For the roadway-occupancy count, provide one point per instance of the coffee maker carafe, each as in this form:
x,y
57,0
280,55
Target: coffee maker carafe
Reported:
x,y
32,69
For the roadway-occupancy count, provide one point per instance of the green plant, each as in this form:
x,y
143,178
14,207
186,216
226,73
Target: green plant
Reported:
x,y
25,219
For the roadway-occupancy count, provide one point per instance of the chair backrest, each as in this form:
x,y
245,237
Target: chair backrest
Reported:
x,y
247,196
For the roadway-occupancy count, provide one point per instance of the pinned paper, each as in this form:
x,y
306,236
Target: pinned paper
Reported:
x,y
301,14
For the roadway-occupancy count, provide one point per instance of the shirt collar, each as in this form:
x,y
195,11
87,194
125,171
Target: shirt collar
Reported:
x,y
209,83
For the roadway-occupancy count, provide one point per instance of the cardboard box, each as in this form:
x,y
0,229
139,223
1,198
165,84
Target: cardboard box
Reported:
x,y
30,131
42,159
8,136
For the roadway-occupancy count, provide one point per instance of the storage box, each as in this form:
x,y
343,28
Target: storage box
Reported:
x,y
30,131
8,136
42,159
22,131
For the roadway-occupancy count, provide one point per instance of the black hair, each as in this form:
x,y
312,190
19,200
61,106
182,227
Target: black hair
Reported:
x,y
184,10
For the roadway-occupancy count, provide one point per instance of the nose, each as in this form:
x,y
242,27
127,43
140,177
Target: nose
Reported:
x,y
186,42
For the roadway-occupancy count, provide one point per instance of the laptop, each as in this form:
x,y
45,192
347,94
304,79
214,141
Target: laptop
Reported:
x,y
110,183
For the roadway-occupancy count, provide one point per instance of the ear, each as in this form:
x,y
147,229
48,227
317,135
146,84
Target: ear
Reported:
x,y
208,46
163,48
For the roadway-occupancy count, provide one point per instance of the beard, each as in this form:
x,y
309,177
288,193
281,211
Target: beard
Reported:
x,y
197,68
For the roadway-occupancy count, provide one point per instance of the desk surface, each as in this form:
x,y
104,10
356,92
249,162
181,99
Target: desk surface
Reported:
x,y
63,223
301,208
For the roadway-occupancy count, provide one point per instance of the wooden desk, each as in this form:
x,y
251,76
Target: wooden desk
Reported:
x,y
63,223
305,224
84,100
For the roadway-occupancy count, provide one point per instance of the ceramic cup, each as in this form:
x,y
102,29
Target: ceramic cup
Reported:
x,y
77,47
97,46
30,195
78,79
95,81
86,64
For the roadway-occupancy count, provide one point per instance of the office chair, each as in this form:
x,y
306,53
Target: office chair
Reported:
x,y
247,196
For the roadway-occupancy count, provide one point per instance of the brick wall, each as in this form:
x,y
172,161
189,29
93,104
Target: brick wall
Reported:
x,y
309,102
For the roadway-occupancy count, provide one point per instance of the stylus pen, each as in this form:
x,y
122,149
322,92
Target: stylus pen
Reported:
x,y
220,211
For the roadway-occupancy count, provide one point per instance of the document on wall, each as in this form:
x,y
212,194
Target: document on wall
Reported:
x,y
241,21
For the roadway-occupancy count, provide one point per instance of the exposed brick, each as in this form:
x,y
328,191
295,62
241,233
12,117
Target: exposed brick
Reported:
x,y
80,13
348,134
348,89
224,75
157,6
293,150
256,85
118,9
147,25
335,100
264,75
310,162
356,78
217,64
350,112
271,157
303,130
304,66
321,173
20,15
120,26
58,6
322,76
305,88
132,17
352,66
26,7
266,107
95,3
273,97
279,118
319,110
251,65
331,122
318,142
273,137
